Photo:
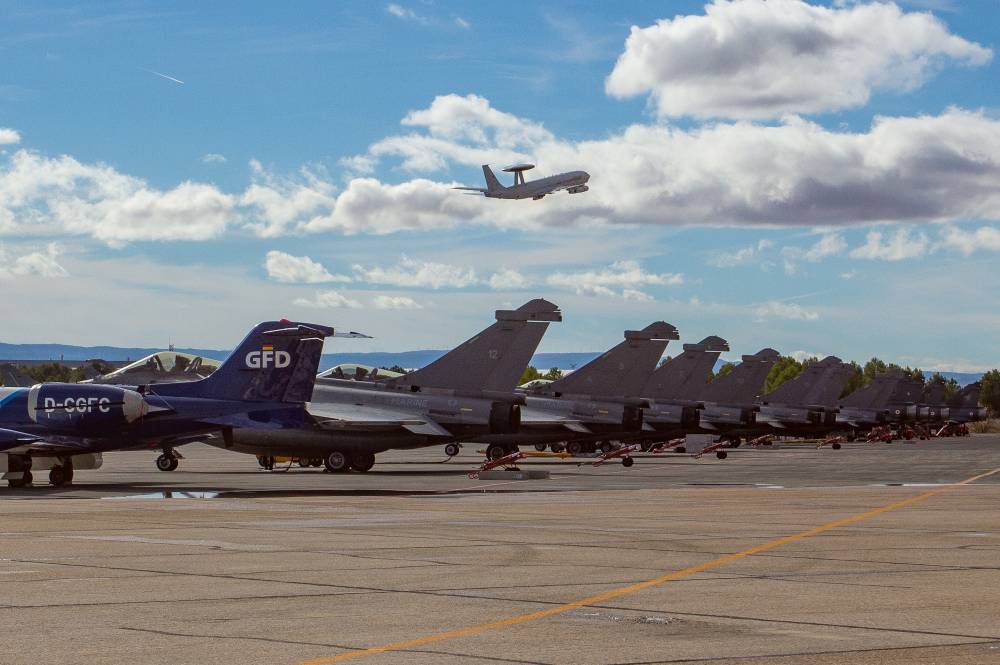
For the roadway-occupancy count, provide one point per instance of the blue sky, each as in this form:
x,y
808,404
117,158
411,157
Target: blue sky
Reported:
x,y
814,178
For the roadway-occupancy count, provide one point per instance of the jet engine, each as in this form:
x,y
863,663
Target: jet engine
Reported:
x,y
505,418
579,189
81,408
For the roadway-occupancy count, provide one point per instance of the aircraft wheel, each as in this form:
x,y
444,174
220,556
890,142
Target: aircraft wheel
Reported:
x,y
557,447
606,447
336,462
363,461
316,462
574,448
627,462
166,462
495,451
722,454
835,446
262,461
57,476
540,447
303,462
452,449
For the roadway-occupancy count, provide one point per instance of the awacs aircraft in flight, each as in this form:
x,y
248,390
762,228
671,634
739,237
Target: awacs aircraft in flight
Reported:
x,y
468,392
264,383
574,182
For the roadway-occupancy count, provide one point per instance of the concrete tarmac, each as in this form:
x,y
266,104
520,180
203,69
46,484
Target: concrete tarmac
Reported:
x,y
869,554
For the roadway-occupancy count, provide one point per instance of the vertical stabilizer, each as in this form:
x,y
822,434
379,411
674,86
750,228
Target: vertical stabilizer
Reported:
x,y
622,371
276,362
819,384
745,384
967,397
877,394
493,360
492,184
685,377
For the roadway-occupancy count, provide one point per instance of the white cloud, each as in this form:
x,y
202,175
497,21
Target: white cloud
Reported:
x,y
289,269
757,59
740,256
802,356
462,23
508,280
850,274
33,264
626,275
9,136
279,204
400,12
47,196
829,244
328,300
410,273
395,302
213,158
900,245
635,294
985,238
785,310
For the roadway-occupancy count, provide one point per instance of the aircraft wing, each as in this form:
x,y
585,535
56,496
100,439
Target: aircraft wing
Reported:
x,y
481,190
538,418
352,416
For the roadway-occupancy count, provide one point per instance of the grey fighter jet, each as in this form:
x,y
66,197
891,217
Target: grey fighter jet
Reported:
x,y
731,399
466,393
574,182
807,404
593,405
890,398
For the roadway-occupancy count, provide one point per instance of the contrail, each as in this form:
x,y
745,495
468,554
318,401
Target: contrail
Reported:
x,y
169,78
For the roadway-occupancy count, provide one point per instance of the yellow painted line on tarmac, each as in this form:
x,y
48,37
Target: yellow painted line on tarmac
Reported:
x,y
632,588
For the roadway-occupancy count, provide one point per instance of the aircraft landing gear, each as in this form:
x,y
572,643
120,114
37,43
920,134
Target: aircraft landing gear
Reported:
x,y
23,464
574,448
61,475
721,454
495,451
627,462
452,449
336,462
363,461
167,461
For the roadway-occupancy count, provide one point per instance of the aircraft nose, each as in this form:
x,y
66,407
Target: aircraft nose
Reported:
x,y
585,176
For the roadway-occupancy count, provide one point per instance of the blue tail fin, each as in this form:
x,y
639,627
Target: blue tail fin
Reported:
x,y
276,362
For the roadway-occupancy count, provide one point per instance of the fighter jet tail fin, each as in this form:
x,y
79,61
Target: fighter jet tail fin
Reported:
x,y
622,371
493,360
276,362
745,383
492,184
819,384
685,376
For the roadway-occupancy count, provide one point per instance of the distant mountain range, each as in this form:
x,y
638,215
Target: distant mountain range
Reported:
x,y
408,359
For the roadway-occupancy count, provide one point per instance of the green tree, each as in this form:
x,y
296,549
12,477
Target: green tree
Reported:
x,y
786,369
855,381
554,374
950,385
395,368
54,372
725,369
530,374
990,394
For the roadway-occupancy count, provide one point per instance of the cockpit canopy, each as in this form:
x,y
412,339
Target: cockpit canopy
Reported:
x,y
353,371
165,366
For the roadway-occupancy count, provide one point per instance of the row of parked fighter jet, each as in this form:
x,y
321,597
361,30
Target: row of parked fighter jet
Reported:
x,y
470,395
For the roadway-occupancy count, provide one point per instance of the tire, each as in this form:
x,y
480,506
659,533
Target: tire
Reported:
x,y
557,447
574,448
495,451
363,461
57,476
303,462
166,462
627,462
722,454
337,462
540,447
316,462
606,447
262,461
452,449
835,446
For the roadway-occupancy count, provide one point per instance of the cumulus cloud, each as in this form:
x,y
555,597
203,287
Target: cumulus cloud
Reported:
x,y
740,256
280,203
757,59
624,275
395,302
42,195
328,300
508,280
985,238
401,12
213,158
829,244
897,246
410,273
9,136
785,310
289,269
32,264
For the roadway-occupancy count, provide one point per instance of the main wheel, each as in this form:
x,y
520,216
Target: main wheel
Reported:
x,y
452,449
316,462
835,446
495,451
540,447
336,462
606,447
363,461
166,462
574,448
722,454
627,462
57,476
303,462
557,447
